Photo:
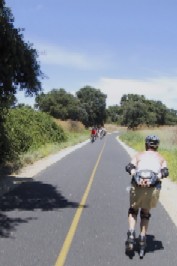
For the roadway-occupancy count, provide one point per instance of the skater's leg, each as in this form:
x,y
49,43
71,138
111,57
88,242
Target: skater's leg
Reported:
x,y
132,218
144,215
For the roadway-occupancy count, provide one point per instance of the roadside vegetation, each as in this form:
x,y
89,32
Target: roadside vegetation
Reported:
x,y
74,133
167,147
30,135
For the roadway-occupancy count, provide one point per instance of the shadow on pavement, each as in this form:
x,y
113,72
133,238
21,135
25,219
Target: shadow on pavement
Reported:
x,y
8,224
29,195
152,246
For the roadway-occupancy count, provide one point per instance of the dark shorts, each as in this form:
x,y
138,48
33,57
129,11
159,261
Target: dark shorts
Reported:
x,y
144,197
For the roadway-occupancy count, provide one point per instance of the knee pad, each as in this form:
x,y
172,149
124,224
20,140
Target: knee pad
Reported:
x,y
145,215
133,211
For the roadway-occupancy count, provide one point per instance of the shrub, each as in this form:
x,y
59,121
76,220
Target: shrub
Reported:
x,y
27,129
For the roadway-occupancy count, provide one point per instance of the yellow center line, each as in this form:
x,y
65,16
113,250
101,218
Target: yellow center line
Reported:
x,y
68,240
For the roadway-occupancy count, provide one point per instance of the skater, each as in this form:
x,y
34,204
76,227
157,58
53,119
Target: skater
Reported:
x,y
147,169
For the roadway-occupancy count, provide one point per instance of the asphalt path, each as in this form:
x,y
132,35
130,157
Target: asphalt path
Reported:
x,y
74,213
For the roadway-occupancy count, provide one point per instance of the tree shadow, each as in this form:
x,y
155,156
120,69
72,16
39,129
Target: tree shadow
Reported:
x,y
8,224
152,246
29,195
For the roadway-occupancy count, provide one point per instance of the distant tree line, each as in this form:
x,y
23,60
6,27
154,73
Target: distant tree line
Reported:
x,y
88,106
135,110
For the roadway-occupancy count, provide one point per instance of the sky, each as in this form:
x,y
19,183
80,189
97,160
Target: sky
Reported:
x,y
117,46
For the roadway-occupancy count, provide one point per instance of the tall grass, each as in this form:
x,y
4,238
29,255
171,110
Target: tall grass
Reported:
x,y
167,147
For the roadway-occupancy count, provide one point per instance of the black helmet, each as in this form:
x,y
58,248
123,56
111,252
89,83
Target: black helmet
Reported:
x,y
152,141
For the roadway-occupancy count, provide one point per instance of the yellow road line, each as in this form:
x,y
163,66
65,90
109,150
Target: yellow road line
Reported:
x,y
68,240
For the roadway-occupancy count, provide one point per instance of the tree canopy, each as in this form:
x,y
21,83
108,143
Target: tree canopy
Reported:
x,y
135,110
19,68
88,106
93,104
59,104
114,114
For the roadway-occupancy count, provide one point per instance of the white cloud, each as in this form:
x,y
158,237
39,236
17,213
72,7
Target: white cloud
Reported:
x,y
162,89
51,54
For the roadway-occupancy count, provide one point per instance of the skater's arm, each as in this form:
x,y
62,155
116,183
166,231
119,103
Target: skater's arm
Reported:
x,y
131,167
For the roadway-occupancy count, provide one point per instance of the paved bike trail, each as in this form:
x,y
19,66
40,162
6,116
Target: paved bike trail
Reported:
x,y
36,216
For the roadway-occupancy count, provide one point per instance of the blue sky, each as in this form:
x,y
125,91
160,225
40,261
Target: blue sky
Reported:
x,y
116,46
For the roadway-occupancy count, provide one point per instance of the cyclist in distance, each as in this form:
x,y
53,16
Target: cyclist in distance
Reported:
x,y
93,134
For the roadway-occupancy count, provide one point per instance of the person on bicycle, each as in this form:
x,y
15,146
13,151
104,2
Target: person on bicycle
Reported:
x,y
93,131
93,134
145,187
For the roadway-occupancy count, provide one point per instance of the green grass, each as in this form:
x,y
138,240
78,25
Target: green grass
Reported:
x,y
73,138
167,148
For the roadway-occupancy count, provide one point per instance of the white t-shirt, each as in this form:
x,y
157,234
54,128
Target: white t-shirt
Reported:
x,y
149,160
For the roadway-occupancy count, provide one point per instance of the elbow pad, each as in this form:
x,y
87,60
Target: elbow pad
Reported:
x,y
164,172
129,167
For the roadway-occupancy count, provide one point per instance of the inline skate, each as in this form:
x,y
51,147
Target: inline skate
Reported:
x,y
130,243
142,246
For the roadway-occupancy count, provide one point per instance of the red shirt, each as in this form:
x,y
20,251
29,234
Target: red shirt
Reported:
x,y
93,131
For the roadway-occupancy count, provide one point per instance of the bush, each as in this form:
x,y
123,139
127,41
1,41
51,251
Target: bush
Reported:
x,y
27,129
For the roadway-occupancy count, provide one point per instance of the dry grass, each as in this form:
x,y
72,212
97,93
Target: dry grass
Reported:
x,y
71,126
167,135
111,128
